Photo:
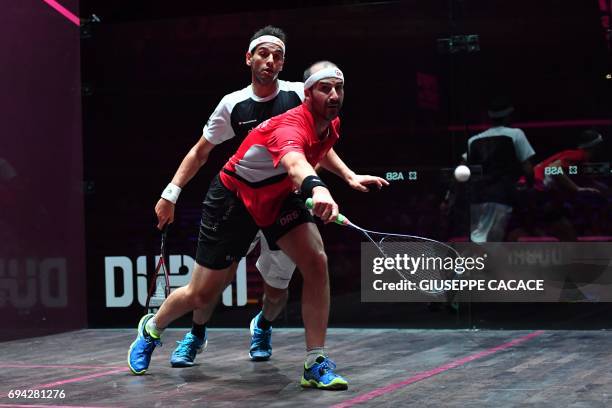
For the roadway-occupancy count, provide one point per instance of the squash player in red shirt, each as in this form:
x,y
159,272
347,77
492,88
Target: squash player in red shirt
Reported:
x,y
255,190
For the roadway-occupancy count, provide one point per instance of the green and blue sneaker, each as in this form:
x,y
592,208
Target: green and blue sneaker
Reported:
x,y
321,375
139,355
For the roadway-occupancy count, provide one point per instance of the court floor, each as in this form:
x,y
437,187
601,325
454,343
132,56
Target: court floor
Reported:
x,y
386,368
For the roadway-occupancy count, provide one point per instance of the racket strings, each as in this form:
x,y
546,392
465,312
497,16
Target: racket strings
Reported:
x,y
409,238
161,267
425,258
394,245
398,241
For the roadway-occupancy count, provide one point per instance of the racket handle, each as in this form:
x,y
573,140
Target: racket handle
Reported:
x,y
340,219
164,236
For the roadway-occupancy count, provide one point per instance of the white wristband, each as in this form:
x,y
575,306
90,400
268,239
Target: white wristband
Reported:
x,y
171,193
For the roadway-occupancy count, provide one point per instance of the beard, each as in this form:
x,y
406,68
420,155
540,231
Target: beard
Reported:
x,y
331,112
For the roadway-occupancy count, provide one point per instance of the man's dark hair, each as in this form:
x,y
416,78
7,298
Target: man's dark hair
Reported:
x,y
500,110
270,30
326,64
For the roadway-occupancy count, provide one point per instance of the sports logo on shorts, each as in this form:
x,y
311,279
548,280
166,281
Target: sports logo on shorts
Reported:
x,y
288,218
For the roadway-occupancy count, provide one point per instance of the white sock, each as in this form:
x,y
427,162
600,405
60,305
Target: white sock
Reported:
x,y
312,354
152,329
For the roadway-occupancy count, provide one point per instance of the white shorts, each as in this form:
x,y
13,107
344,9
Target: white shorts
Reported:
x,y
488,222
275,267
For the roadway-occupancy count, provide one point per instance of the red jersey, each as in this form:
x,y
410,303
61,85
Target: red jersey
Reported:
x,y
566,158
253,172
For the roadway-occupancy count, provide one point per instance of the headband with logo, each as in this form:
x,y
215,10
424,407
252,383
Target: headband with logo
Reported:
x,y
331,72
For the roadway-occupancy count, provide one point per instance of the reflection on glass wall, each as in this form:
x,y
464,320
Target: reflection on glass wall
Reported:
x,y
42,250
518,92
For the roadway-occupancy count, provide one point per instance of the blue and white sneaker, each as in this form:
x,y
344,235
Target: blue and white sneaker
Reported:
x,y
185,353
321,375
261,341
139,355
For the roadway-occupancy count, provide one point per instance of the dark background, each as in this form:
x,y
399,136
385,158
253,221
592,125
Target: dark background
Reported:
x,y
152,72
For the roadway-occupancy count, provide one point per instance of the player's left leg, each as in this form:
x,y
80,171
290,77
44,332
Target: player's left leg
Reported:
x,y
194,342
276,269
205,286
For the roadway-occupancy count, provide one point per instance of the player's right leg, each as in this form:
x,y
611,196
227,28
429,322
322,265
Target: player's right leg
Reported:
x,y
202,291
301,241
304,245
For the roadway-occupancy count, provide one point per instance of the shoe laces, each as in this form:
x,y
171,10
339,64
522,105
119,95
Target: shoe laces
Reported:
x,y
152,342
185,347
326,366
262,338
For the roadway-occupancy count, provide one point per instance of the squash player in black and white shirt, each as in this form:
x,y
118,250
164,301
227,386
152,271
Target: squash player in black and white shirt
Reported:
x,y
236,114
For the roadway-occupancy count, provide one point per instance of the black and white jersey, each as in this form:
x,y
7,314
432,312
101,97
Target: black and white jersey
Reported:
x,y
241,111
500,151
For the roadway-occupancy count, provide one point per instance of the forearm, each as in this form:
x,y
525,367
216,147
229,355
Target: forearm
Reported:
x,y
188,168
304,176
193,161
297,167
562,180
334,163
566,183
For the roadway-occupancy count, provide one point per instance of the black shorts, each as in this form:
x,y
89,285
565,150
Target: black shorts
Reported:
x,y
227,229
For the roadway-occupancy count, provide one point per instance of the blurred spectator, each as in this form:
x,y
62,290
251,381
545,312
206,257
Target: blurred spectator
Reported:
x,y
504,154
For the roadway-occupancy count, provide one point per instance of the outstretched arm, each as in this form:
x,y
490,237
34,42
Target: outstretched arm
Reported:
x,y
567,183
334,163
300,170
193,161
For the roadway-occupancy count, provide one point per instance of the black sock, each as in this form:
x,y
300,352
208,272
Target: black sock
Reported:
x,y
198,330
263,323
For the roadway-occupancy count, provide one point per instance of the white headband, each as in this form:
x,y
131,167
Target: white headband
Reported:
x,y
266,39
331,72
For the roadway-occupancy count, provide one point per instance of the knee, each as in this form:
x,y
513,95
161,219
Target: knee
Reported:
x,y
200,297
315,268
200,300
320,261
206,285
